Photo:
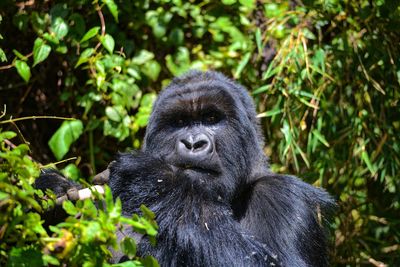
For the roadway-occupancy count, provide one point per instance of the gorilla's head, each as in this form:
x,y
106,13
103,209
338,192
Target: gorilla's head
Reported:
x,y
204,125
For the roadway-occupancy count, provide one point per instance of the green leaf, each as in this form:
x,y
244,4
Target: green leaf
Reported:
x,y
62,139
242,65
71,171
152,69
40,51
270,113
176,36
128,247
25,256
367,161
320,137
248,3
258,41
59,27
19,55
228,2
69,207
115,113
62,49
147,212
84,57
142,57
3,195
150,261
51,38
50,260
3,57
108,42
90,34
23,70
113,8
7,135
262,89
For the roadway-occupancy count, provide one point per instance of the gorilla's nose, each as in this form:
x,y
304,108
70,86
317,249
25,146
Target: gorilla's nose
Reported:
x,y
198,145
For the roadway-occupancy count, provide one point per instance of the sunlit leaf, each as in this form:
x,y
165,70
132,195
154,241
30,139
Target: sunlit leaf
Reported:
x,y
40,51
128,247
63,138
242,65
59,27
23,70
84,57
69,207
90,34
108,42
320,137
112,7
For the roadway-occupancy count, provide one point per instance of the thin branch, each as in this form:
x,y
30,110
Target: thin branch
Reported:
x,y
58,162
13,64
6,67
102,22
3,113
37,117
74,194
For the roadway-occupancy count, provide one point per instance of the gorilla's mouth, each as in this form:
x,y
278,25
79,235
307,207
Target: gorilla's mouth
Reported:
x,y
198,169
210,166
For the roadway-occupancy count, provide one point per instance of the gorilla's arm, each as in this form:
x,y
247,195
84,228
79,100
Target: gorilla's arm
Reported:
x,y
287,214
55,181
137,178
193,230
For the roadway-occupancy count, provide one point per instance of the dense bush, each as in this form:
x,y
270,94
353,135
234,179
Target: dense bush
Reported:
x,y
325,76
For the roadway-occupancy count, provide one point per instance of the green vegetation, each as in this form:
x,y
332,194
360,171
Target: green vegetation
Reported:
x,y
325,76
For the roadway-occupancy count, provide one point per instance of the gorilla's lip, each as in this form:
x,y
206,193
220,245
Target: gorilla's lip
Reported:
x,y
199,169
209,166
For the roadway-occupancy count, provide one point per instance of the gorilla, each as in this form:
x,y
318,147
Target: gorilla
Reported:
x,y
203,172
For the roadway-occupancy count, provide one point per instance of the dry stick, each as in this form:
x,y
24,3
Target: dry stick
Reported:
x,y
74,194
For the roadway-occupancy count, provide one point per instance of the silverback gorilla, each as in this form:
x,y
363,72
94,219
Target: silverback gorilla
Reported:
x,y
203,172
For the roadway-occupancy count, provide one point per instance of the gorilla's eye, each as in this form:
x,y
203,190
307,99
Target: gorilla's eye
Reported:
x,y
212,117
179,122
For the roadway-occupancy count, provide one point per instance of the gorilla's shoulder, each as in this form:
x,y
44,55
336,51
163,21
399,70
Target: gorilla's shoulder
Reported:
x,y
294,191
287,199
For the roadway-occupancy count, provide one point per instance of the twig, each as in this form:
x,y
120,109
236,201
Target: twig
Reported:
x,y
58,162
102,23
3,113
9,66
6,67
74,194
36,117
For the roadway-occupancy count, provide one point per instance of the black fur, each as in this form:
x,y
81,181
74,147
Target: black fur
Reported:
x,y
54,180
223,206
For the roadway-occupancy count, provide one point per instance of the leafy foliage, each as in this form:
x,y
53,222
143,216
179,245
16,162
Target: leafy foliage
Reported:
x,y
325,76
83,239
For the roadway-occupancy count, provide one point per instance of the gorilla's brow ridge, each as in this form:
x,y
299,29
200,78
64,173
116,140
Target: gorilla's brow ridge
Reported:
x,y
196,103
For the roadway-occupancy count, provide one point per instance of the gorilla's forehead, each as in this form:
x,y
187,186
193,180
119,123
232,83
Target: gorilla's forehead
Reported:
x,y
196,97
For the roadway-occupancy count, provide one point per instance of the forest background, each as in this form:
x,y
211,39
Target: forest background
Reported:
x,y
325,76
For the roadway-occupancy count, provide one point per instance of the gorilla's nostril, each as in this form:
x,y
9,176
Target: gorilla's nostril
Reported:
x,y
187,144
200,144
194,145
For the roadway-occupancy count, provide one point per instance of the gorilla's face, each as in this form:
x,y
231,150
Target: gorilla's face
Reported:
x,y
204,131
